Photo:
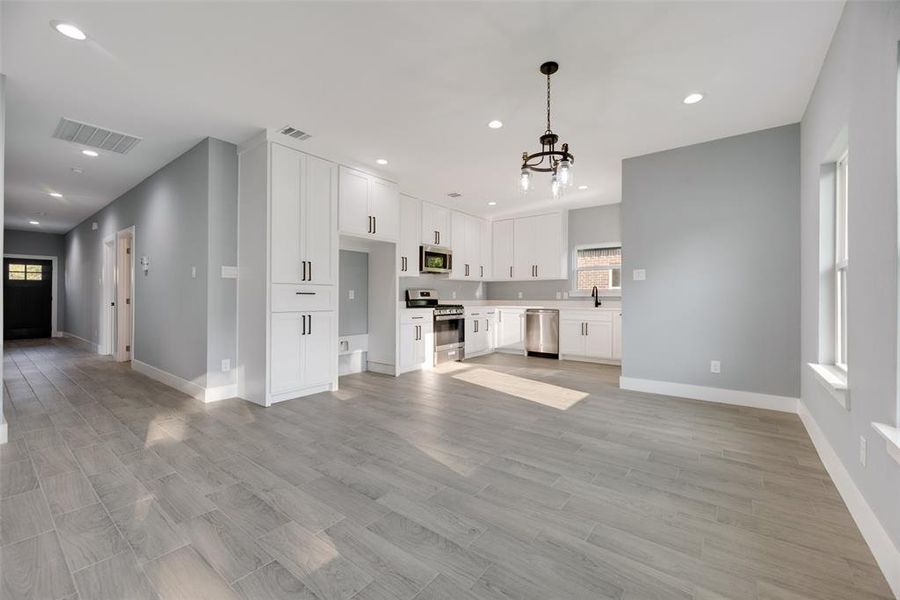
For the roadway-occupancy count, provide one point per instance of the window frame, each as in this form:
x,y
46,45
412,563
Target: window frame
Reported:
x,y
573,283
841,260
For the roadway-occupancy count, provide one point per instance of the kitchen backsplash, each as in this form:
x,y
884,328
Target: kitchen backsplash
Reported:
x,y
465,290
531,290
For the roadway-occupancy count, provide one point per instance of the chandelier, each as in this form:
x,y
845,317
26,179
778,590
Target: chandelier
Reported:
x,y
549,159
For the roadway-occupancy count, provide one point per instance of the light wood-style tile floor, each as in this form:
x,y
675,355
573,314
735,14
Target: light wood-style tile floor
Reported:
x,y
434,485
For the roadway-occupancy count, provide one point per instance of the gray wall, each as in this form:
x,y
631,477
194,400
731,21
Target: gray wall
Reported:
x,y
857,92
171,213
592,225
43,244
221,318
353,315
715,226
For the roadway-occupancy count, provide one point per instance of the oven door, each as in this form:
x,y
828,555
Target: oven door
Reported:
x,y
449,338
435,259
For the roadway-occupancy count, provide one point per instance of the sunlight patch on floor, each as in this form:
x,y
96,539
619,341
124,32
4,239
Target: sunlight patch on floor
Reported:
x,y
527,389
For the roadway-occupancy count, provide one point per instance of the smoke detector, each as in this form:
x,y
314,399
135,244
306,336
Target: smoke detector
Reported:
x,y
94,136
293,132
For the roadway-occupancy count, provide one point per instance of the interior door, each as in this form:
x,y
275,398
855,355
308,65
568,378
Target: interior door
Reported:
x,y
318,224
353,203
285,366
287,178
319,351
124,301
27,298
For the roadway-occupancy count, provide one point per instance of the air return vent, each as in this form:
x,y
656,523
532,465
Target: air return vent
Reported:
x,y
93,136
454,194
295,133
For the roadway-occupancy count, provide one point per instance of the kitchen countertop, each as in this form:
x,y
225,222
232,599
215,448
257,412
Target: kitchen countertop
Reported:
x,y
580,304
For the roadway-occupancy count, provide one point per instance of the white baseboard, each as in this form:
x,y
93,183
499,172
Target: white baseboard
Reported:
x,y
711,394
183,385
886,553
93,346
382,368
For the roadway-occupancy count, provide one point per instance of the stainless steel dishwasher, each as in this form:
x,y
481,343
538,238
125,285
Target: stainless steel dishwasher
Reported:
x,y
542,332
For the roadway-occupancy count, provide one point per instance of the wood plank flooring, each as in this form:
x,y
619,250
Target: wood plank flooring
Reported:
x,y
431,486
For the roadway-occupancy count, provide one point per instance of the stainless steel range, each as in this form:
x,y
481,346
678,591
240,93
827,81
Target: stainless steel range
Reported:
x,y
449,324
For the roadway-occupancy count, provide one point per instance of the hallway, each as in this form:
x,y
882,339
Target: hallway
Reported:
x,y
431,485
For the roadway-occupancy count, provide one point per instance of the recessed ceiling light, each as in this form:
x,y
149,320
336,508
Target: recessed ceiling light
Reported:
x,y
381,161
495,124
56,194
693,98
582,187
90,153
34,222
69,30
492,204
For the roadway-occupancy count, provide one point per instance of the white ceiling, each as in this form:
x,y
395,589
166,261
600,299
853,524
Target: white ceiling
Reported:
x,y
413,82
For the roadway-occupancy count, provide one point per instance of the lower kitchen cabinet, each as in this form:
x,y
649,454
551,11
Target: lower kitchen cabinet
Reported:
x,y
416,342
481,328
510,329
299,356
588,336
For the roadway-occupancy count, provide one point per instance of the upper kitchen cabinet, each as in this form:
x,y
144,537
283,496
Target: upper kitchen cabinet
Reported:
x,y
368,206
469,260
408,246
304,217
436,225
504,258
486,265
539,248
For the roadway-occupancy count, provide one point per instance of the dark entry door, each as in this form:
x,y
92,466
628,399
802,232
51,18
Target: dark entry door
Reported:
x,y
27,298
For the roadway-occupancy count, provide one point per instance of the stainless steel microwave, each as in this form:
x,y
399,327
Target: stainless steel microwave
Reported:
x,y
435,259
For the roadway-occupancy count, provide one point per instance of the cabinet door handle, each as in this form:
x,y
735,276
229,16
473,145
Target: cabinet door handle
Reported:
x,y
374,224
309,328
586,329
309,270
305,293
304,326
487,325
482,270
510,272
302,270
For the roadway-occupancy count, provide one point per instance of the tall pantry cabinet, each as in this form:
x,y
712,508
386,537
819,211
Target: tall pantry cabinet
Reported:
x,y
287,273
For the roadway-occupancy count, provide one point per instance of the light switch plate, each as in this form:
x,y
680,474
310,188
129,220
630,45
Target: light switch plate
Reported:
x,y
226,365
558,295
94,226
193,272
639,275
520,295
715,366
229,272
453,294
863,450
351,294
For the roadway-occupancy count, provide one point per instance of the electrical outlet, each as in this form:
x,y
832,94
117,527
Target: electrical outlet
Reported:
x,y
351,294
565,295
639,275
226,365
453,294
863,450
715,366
193,272
558,295
520,295
95,226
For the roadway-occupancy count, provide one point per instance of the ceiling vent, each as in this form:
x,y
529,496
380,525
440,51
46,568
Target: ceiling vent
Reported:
x,y
295,133
93,136
454,194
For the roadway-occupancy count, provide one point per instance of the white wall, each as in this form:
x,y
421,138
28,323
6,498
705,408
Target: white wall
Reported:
x,y
856,93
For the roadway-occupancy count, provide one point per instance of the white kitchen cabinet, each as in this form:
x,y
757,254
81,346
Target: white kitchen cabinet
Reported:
x,y
416,341
287,261
490,327
589,336
436,225
525,231
408,246
617,336
510,329
539,247
304,194
503,246
478,331
298,360
469,264
485,264
368,206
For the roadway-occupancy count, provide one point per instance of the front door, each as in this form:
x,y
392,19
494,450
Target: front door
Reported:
x,y
27,298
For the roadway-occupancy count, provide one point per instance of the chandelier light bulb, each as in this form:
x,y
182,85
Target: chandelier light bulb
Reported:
x,y
525,180
555,186
565,172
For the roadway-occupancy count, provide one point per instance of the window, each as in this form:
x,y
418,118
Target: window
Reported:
x,y
598,265
841,261
22,272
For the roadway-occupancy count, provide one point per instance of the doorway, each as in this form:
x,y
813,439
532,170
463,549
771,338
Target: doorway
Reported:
x,y
27,298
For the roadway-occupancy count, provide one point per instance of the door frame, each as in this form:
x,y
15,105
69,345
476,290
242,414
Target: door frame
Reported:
x,y
128,232
54,332
106,343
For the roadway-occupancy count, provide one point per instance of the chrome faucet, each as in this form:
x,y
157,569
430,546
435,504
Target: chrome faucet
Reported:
x,y
595,294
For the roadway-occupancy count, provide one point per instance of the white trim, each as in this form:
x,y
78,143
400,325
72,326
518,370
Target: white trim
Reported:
x,y
886,554
106,341
4,432
196,391
711,394
891,437
834,380
54,332
92,345
120,354
382,368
